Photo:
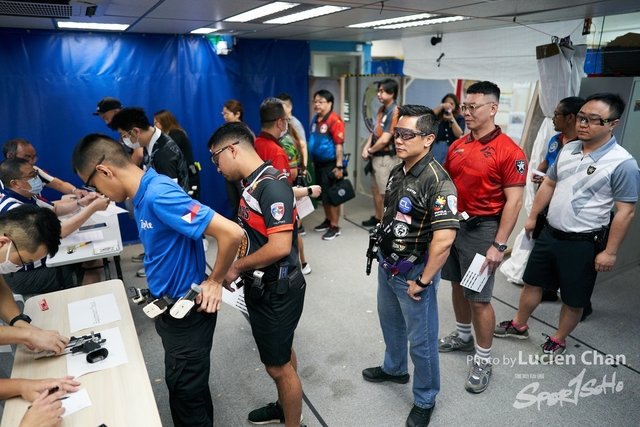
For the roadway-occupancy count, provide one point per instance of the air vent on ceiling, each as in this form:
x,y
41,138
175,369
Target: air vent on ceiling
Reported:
x,y
53,8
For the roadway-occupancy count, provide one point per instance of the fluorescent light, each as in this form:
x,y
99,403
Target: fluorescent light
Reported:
x,y
204,30
425,22
92,26
392,20
268,9
307,14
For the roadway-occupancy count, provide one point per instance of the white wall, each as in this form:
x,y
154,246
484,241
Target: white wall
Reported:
x,y
387,49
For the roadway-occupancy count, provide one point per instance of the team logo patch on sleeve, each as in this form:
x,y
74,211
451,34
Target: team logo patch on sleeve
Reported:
x,y
277,211
439,204
520,166
191,212
452,201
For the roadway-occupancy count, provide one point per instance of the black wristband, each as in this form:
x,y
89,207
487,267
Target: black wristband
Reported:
x,y
422,285
20,316
309,191
339,167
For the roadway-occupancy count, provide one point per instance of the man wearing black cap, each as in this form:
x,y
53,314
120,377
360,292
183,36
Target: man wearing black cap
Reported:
x,y
107,108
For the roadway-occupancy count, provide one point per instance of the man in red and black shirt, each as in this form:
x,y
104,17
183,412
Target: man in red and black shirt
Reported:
x,y
489,171
274,125
267,213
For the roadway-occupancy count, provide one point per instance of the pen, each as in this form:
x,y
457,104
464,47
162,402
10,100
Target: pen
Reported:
x,y
79,245
61,398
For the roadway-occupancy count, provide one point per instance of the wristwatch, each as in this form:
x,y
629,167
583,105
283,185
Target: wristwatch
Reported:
x,y
309,191
499,246
422,285
20,316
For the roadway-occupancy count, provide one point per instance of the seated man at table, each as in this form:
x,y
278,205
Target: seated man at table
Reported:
x,y
171,225
22,186
22,149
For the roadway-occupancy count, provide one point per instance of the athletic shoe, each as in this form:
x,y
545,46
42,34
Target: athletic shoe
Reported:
x,y
138,258
302,231
331,233
324,226
270,414
507,329
141,273
419,417
371,222
478,379
549,295
452,343
377,375
550,349
306,268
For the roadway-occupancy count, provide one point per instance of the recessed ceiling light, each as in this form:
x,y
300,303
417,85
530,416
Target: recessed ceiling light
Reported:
x,y
92,26
204,30
393,20
307,14
425,22
268,9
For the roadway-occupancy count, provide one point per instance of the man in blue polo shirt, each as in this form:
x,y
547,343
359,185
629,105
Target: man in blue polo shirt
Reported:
x,y
170,224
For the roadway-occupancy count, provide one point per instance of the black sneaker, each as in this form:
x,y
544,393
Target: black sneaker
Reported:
x,y
302,231
324,226
419,417
371,222
270,414
331,233
377,375
549,295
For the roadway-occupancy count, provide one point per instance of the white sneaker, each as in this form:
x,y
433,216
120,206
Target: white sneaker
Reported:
x,y
306,269
205,242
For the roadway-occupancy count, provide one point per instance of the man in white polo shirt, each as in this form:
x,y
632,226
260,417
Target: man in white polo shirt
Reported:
x,y
589,177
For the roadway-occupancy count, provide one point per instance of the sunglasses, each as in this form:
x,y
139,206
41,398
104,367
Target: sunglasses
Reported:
x,y
406,134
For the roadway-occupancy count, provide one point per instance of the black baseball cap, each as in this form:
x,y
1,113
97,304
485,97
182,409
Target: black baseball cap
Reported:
x,y
107,104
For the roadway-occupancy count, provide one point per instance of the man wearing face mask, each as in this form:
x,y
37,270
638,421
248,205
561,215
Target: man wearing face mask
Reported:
x,y
26,233
21,187
274,125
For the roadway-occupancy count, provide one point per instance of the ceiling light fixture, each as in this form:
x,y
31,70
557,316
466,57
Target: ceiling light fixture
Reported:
x,y
92,26
393,20
204,30
261,11
425,22
307,14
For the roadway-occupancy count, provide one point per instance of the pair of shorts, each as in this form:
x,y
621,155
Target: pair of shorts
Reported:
x,y
469,242
381,167
274,319
325,178
567,264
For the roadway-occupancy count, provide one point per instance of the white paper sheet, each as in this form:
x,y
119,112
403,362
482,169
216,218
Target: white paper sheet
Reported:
x,y
93,312
75,402
106,247
87,236
77,364
473,279
305,206
537,172
235,299
527,244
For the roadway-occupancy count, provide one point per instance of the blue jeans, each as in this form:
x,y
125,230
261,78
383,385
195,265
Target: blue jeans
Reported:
x,y
402,319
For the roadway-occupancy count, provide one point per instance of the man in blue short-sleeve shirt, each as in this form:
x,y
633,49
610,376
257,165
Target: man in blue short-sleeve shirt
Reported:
x,y
171,225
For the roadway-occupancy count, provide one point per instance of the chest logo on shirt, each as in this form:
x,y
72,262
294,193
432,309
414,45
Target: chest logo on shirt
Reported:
x,y
553,147
405,205
590,170
452,201
398,245
488,151
191,212
324,128
145,225
313,128
277,211
520,166
401,230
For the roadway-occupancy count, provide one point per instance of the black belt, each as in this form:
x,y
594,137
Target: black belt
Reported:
x,y
325,164
271,286
484,218
574,237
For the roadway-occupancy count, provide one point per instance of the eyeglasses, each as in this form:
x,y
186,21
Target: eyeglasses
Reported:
x,y
556,114
17,251
215,154
594,121
95,169
473,107
28,177
319,101
406,134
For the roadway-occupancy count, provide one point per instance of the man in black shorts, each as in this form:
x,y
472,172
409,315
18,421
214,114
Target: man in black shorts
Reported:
x,y
268,263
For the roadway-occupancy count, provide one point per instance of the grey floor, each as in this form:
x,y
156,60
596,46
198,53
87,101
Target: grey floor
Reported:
x,y
339,335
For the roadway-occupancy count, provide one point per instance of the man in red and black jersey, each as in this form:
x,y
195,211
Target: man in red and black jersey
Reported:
x,y
267,213
489,171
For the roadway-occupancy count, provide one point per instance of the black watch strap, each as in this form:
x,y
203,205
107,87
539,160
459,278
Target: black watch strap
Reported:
x,y
422,285
20,316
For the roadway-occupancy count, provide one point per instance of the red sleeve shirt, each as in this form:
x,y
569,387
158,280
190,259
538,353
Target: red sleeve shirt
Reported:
x,y
268,149
337,128
481,171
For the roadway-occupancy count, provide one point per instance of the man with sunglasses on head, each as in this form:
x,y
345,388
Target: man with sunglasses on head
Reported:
x,y
418,228
589,177
170,224
490,173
